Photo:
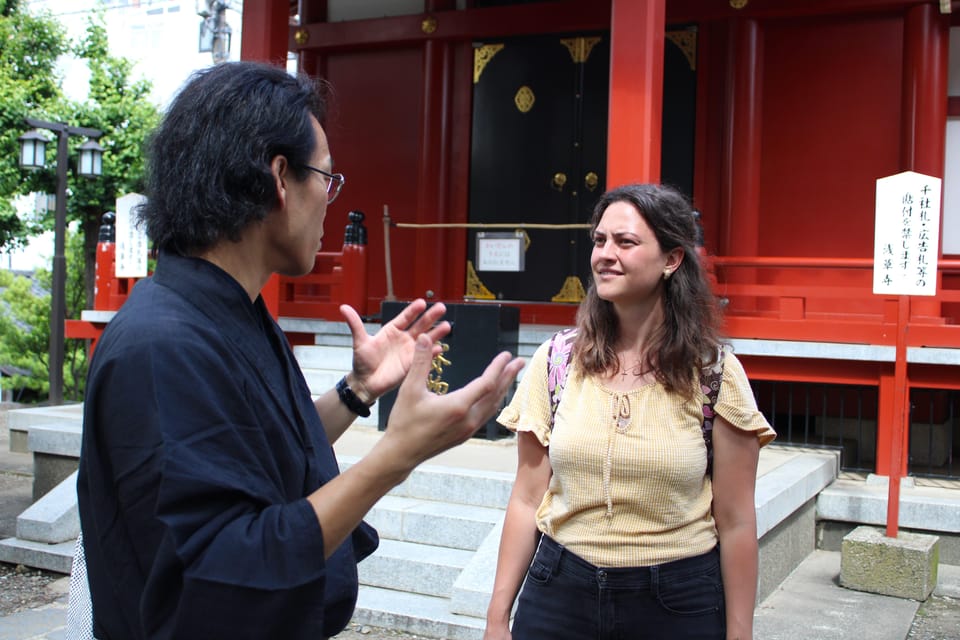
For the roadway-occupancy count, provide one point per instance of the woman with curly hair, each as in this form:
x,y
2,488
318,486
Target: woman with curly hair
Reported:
x,y
632,514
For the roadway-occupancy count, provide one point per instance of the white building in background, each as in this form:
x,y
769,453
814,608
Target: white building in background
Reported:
x,y
163,40
162,37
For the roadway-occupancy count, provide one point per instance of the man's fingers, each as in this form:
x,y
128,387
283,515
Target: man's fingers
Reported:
x,y
420,365
408,314
494,382
428,319
353,321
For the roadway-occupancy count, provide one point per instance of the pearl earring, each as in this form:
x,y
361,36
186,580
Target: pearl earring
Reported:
x,y
666,274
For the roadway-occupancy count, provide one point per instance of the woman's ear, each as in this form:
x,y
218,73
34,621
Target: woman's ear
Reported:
x,y
674,258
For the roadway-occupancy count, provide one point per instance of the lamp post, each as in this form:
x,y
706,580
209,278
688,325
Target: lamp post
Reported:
x,y
32,157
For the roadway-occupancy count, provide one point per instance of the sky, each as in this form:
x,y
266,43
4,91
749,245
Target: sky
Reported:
x,y
161,37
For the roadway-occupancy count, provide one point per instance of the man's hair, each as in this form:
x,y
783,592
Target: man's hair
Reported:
x,y
208,163
688,338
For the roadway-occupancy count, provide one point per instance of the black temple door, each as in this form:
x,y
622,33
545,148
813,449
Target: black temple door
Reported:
x,y
538,156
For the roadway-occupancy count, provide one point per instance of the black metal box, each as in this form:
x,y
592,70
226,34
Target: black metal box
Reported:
x,y
478,332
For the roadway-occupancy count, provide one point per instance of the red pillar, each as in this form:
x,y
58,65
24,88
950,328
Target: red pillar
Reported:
x,y
312,11
636,91
741,142
434,161
924,106
265,34
264,37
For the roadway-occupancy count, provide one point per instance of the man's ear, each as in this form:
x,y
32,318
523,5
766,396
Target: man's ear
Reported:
x,y
280,169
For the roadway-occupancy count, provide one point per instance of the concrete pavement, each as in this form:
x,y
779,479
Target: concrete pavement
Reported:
x,y
809,605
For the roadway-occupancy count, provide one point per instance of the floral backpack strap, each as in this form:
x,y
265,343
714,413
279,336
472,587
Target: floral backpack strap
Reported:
x,y
558,359
710,378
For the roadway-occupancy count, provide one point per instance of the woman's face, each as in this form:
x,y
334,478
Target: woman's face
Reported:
x,y
627,261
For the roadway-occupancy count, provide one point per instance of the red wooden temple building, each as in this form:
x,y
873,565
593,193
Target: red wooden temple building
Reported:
x,y
499,118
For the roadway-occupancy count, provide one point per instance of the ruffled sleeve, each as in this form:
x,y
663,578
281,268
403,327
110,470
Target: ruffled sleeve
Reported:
x,y
737,405
529,409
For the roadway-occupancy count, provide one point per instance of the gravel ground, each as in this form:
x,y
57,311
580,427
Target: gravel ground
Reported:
x,y
23,588
937,619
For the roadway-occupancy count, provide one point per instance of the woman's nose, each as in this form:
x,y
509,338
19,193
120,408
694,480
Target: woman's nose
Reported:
x,y
606,251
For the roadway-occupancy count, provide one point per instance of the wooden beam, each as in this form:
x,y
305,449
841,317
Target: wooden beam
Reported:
x,y
469,24
699,11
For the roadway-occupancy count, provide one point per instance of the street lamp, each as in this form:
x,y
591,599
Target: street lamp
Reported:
x,y
32,147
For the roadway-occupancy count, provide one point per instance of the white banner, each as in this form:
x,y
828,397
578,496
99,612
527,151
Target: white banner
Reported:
x,y
907,235
131,240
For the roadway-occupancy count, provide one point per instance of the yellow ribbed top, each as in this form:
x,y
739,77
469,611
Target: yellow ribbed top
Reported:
x,y
633,495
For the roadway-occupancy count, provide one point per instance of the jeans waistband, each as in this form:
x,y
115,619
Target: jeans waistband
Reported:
x,y
558,558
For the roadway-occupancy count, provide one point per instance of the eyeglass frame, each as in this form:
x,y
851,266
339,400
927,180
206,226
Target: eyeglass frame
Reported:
x,y
332,176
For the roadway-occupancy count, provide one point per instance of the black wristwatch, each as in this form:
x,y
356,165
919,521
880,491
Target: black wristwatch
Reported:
x,y
349,398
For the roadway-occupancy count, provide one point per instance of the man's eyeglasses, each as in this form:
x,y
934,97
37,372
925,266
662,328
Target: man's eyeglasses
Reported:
x,y
332,178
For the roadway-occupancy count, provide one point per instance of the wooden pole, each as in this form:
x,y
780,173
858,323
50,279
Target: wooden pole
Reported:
x,y
386,253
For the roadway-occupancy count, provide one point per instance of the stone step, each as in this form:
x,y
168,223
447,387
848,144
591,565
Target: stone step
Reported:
x,y
324,357
54,517
417,614
52,557
451,484
435,523
415,568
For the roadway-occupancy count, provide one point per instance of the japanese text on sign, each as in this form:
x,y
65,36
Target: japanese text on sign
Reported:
x,y
131,239
500,251
907,235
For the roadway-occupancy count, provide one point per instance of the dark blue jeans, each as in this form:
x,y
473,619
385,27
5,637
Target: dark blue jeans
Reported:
x,y
566,597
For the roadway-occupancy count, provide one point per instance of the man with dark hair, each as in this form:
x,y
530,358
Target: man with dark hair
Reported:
x,y
210,500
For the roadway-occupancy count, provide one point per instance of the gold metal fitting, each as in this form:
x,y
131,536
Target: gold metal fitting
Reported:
x,y
301,36
428,25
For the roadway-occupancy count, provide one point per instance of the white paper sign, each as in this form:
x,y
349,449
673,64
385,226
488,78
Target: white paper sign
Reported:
x,y
907,235
500,251
131,239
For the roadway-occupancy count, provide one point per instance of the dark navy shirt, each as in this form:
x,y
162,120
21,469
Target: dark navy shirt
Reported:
x,y
200,445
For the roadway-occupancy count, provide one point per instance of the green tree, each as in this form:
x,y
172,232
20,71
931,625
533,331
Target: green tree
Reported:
x,y
119,106
29,47
25,326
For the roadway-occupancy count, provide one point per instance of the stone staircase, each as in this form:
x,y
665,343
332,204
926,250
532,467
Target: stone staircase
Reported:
x,y
440,529
439,533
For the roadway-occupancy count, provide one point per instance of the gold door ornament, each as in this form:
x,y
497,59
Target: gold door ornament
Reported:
x,y
524,99
580,47
686,41
571,291
481,57
475,287
591,180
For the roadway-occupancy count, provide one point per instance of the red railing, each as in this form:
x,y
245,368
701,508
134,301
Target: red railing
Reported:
x,y
337,277
831,300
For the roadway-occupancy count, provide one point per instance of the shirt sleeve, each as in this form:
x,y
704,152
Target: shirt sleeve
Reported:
x,y
529,409
736,403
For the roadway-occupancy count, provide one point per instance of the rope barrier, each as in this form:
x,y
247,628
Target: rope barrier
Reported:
x,y
487,225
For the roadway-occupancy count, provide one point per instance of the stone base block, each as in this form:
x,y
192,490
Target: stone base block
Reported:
x,y
904,567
